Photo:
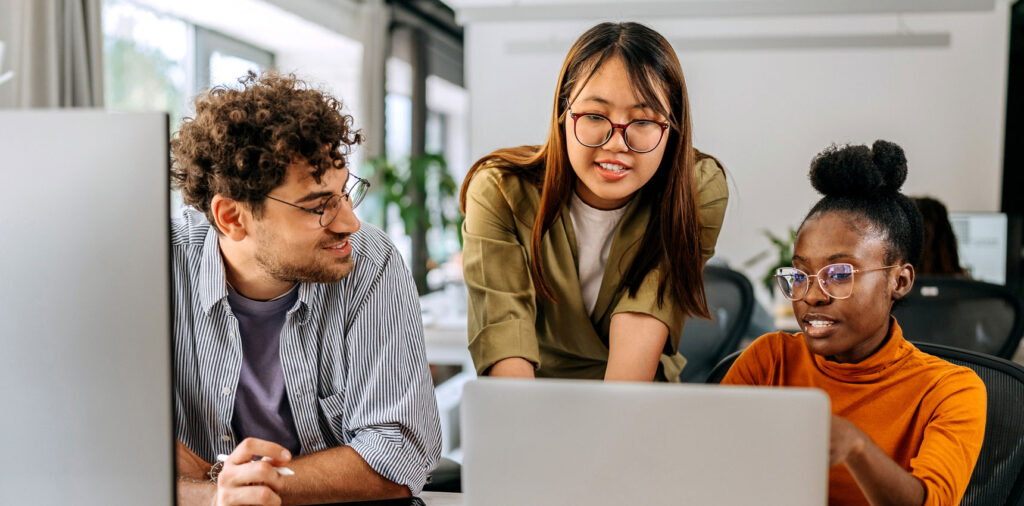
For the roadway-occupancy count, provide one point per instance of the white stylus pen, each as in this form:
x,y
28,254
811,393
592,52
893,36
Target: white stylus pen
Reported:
x,y
283,471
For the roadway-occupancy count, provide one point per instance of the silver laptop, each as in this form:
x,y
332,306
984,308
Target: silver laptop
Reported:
x,y
85,366
560,442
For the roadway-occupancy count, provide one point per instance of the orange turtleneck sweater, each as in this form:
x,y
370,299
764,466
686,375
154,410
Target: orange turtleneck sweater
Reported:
x,y
927,414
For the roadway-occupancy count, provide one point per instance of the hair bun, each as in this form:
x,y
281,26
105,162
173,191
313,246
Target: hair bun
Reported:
x,y
859,171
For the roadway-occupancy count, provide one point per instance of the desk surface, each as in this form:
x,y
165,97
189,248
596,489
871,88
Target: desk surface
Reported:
x,y
424,499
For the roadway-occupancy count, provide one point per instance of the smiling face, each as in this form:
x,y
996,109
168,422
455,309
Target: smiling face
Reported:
x,y
291,246
609,175
851,329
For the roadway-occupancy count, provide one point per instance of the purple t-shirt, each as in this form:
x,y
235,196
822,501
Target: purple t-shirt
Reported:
x,y
261,402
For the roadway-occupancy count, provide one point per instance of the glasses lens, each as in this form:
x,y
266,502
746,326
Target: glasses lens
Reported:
x,y
357,191
330,208
643,135
792,282
838,280
592,130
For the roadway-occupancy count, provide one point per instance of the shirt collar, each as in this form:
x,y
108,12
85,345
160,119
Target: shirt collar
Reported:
x,y
212,284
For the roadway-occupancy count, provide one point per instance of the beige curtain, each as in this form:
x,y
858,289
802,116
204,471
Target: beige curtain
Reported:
x,y
55,49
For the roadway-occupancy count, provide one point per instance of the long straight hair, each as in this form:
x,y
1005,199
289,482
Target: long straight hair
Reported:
x,y
671,242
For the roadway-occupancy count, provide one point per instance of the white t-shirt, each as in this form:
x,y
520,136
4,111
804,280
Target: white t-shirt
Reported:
x,y
594,230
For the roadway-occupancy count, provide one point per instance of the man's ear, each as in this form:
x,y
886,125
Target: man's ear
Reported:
x,y
904,281
230,216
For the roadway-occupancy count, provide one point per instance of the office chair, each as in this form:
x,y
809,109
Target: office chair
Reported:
x,y
730,300
716,374
997,477
445,477
963,313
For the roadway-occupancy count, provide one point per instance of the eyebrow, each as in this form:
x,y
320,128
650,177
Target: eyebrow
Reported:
x,y
324,193
606,102
831,258
314,196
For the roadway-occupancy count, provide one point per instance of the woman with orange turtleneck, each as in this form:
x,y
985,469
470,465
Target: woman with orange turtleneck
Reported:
x,y
907,427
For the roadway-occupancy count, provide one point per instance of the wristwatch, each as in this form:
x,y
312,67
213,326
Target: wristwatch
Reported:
x,y
215,471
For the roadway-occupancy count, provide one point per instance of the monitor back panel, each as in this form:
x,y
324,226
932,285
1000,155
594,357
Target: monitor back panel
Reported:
x,y
85,361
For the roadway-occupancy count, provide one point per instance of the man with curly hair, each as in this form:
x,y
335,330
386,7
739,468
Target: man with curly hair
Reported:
x,y
297,331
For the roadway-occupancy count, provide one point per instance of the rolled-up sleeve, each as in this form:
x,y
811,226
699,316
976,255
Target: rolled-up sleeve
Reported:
x,y
390,416
502,304
712,199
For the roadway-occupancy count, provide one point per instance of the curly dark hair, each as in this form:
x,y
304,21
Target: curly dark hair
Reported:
x,y
241,141
866,182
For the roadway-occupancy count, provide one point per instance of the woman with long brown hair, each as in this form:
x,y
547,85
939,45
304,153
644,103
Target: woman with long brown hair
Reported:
x,y
584,255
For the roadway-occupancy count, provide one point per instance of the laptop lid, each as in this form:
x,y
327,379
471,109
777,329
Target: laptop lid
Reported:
x,y
558,442
85,366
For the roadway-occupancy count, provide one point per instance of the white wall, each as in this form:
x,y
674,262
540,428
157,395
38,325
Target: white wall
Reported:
x,y
765,112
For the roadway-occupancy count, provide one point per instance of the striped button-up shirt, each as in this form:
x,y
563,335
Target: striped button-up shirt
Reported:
x,y
352,353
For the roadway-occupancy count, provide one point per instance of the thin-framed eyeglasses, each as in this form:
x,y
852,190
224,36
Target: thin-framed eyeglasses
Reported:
x,y
595,130
354,191
835,280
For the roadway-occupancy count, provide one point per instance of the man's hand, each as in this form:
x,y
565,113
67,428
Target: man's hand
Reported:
x,y
243,481
846,440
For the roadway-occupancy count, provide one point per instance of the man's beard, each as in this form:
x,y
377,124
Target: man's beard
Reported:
x,y
313,271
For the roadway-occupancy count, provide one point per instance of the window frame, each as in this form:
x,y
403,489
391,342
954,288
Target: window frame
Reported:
x,y
209,41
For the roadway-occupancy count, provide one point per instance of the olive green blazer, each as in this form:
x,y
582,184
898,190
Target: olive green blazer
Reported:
x,y
506,318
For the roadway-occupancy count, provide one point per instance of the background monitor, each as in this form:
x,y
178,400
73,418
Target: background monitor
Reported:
x,y
981,243
85,366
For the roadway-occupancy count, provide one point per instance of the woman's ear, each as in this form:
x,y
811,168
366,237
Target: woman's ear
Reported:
x,y
904,281
228,215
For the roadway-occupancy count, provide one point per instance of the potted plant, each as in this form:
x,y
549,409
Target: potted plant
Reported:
x,y
410,184
781,252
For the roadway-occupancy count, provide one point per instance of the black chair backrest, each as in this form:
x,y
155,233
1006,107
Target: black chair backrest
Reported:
x,y
723,367
963,313
704,342
998,478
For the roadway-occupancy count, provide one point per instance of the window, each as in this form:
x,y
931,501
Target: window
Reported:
x,y
226,59
148,60
445,136
156,62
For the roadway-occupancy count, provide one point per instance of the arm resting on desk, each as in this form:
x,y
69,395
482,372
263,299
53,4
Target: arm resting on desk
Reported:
x,y
336,474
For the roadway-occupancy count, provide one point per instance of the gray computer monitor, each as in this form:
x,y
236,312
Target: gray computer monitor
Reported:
x,y
85,351
981,244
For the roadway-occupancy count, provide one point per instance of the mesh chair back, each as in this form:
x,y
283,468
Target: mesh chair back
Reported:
x,y
704,342
997,477
962,313
723,366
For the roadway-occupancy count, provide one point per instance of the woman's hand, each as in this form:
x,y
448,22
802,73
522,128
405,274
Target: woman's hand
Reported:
x,y
846,440
880,478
